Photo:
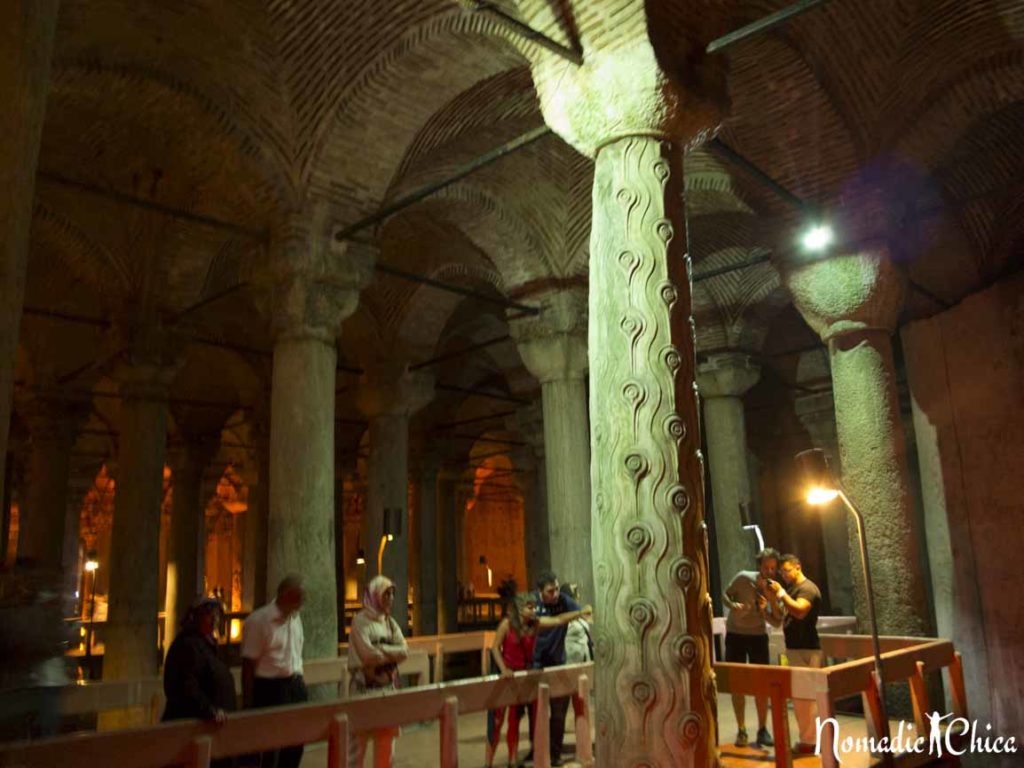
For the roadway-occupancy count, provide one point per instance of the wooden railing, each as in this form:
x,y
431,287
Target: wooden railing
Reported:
x,y
903,659
425,663
194,743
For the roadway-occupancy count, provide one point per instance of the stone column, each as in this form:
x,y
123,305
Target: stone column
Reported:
x,y
131,630
722,381
852,301
654,687
187,534
315,286
388,401
554,349
26,37
427,597
817,414
254,569
447,567
532,481
44,509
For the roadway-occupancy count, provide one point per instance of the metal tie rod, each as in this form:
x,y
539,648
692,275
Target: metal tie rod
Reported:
x,y
570,54
762,25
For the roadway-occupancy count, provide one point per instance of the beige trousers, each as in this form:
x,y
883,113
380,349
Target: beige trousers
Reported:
x,y
806,710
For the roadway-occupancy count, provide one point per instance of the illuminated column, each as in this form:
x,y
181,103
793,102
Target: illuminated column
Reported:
x,y
130,634
254,567
314,286
26,38
187,532
852,301
554,349
530,459
388,401
654,687
723,380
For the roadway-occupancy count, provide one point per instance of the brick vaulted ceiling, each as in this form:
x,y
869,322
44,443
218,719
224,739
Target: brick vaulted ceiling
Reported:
x,y
241,109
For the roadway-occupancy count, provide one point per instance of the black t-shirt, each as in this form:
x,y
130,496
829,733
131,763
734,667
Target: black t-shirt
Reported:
x,y
803,633
550,648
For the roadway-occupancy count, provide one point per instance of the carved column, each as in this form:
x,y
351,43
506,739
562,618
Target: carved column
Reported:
x,y
447,566
131,630
554,349
187,534
723,380
388,401
315,286
42,524
852,301
655,692
26,38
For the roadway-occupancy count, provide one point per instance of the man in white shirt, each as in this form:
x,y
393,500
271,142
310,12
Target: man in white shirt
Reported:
x,y
272,660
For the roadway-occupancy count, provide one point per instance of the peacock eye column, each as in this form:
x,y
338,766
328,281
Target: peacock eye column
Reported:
x,y
654,687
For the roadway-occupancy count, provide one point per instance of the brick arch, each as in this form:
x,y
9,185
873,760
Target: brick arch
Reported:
x,y
54,233
426,314
258,152
351,123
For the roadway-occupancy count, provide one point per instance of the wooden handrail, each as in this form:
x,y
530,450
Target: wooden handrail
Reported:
x,y
903,658
194,742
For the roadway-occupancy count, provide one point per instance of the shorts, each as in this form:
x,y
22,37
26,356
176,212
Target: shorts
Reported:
x,y
746,649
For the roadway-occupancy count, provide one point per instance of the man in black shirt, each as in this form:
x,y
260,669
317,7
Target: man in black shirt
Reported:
x,y
550,652
802,602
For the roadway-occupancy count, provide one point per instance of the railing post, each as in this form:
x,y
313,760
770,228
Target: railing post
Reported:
x,y
438,662
957,691
872,709
337,742
584,742
542,728
780,727
202,750
919,698
450,733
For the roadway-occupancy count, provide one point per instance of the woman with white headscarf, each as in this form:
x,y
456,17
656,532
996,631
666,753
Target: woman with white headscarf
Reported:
x,y
375,649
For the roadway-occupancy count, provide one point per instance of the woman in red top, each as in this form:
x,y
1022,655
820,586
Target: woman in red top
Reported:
x,y
512,651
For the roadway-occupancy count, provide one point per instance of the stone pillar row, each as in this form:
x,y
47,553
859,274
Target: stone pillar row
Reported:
x,y
388,399
553,347
723,380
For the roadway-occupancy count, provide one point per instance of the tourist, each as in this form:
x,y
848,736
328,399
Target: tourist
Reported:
x,y
376,647
512,652
549,650
197,683
579,643
272,641
748,606
802,602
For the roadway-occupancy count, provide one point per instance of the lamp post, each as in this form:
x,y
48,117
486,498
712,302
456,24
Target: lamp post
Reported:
x,y
822,488
91,565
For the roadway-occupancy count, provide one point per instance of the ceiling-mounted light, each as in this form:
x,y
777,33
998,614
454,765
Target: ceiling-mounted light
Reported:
x,y
817,238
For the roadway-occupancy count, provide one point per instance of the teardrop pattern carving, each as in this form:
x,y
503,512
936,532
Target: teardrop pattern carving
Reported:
x,y
650,548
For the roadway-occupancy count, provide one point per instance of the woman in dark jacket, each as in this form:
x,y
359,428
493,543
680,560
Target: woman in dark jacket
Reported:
x,y
197,683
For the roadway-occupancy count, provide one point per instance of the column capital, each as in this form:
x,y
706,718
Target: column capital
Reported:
x,y
553,344
727,375
51,413
311,283
856,290
624,91
393,391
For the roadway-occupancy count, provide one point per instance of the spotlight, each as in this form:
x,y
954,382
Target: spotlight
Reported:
x,y
91,565
360,557
817,238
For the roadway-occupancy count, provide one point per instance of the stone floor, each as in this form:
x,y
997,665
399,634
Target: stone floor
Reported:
x,y
418,746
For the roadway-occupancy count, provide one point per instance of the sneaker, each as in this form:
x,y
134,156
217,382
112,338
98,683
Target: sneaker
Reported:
x,y
764,739
741,738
